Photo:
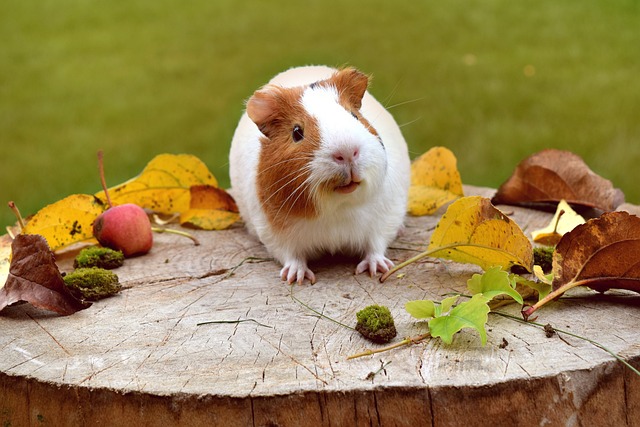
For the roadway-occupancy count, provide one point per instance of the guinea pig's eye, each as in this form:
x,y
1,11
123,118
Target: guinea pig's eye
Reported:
x,y
297,134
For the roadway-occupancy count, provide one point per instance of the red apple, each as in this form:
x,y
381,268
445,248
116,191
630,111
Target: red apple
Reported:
x,y
126,228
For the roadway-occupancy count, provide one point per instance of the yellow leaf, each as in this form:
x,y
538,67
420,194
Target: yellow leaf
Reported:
x,y
164,184
537,271
209,219
564,220
210,208
474,231
435,181
66,221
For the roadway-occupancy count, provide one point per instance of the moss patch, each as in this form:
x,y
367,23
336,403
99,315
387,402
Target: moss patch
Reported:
x,y
543,256
96,256
92,283
376,324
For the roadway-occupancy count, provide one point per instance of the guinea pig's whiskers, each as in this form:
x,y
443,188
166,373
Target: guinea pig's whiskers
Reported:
x,y
409,123
391,94
403,103
297,192
296,174
301,191
283,178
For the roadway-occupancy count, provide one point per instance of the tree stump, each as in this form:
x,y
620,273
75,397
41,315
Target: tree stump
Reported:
x,y
141,358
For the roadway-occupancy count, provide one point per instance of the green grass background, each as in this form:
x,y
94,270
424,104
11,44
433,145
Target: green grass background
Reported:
x,y
493,80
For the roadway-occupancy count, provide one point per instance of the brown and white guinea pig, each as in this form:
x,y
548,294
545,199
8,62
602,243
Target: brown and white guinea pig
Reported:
x,y
318,166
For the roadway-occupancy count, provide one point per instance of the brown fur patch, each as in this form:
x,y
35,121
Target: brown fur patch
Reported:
x,y
351,85
282,168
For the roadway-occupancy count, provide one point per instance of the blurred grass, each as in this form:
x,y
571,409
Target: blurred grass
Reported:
x,y
493,80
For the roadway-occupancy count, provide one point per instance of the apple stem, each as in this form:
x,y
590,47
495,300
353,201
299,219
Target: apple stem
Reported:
x,y
16,212
178,232
102,180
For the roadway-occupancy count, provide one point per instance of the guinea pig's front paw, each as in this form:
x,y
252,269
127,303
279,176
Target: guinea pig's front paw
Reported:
x,y
374,263
297,271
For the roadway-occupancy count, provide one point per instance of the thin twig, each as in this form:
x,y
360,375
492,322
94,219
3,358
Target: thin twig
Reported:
x,y
49,333
178,232
316,311
406,341
595,343
233,321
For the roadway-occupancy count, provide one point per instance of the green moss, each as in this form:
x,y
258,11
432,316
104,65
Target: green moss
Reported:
x,y
543,256
376,324
92,283
96,256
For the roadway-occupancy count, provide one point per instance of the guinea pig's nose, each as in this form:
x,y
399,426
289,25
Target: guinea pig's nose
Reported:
x,y
346,155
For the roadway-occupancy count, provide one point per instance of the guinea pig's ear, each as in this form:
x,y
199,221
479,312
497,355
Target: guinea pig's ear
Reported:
x,y
262,107
351,85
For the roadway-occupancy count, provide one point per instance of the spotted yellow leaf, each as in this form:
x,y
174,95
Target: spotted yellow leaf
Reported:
x,y
66,221
164,184
435,181
473,231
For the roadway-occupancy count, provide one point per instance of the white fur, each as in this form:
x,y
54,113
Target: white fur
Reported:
x,y
363,222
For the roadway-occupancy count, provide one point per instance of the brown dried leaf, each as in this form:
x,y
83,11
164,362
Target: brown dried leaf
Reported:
x,y
210,197
210,208
552,175
34,277
603,253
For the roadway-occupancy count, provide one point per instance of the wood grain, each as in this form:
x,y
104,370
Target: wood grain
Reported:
x,y
140,358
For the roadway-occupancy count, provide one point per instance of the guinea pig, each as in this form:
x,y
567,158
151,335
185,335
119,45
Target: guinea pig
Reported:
x,y
318,166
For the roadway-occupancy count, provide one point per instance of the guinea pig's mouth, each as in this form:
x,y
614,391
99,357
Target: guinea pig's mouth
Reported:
x,y
348,188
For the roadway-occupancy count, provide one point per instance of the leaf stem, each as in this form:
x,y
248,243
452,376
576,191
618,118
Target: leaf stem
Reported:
x,y
406,341
16,212
233,269
102,180
432,251
178,232
558,292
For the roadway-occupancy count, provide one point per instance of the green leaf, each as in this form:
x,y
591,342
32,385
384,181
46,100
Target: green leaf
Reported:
x,y
542,287
492,283
469,314
421,309
424,309
446,305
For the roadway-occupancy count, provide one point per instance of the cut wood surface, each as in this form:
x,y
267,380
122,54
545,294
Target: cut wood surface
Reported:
x,y
140,358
